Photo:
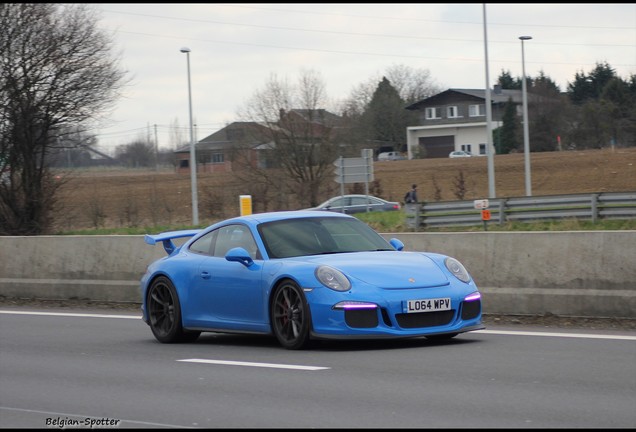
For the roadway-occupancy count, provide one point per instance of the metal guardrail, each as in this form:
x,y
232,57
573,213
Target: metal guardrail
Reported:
x,y
605,205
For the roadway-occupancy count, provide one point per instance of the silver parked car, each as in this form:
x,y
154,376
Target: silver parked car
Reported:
x,y
459,153
390,156
357,204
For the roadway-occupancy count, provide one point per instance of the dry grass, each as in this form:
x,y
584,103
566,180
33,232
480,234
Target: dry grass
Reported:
x,y
126,198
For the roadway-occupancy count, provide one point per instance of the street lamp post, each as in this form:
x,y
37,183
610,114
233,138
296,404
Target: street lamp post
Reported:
x,y
193,160
489,149
526,133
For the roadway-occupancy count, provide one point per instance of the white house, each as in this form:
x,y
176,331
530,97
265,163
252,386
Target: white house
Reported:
x,y
455,119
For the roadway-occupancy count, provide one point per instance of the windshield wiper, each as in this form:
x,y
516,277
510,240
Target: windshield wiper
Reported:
x,y
350,251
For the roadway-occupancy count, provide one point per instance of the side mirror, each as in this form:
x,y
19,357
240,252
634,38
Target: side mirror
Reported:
x,y
397,244
238,254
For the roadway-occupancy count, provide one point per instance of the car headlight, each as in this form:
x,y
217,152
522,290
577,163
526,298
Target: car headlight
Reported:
x,y
457,269
332,278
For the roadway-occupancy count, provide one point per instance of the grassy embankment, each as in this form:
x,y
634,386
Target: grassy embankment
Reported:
x,y
396,222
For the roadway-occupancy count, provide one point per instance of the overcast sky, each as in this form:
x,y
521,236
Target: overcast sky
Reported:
x,y
236,48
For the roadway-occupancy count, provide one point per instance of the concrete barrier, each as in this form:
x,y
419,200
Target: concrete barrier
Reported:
x,y
577,273
100,268
582,273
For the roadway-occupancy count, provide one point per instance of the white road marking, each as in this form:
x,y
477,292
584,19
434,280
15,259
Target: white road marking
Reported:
x,y
499,332
69,314
252,364
565,335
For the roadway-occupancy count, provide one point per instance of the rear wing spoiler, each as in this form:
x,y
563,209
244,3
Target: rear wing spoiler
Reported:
x,y
166,238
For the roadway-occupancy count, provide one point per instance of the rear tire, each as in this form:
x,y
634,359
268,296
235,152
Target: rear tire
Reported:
x,y
164,313
290,317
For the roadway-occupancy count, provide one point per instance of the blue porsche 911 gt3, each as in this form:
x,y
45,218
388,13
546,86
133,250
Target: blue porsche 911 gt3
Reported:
x,y
303,275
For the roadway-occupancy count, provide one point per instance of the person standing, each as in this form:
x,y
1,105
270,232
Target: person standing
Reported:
x,y
411,196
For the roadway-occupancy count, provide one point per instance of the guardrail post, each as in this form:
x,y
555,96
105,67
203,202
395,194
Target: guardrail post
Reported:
x,y
502,210
413,218
594,206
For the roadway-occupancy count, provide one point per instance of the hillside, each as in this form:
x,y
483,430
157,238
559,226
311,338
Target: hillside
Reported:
x,y
124,198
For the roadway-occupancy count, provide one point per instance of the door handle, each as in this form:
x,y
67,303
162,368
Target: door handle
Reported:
x,y
206,275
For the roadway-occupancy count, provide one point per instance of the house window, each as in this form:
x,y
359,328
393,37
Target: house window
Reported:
x,y
184,163
475,110
452,112
217,158
431,113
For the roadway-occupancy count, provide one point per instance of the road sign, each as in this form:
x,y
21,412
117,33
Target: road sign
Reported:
x,y
354,170
485,215
351,162
481,204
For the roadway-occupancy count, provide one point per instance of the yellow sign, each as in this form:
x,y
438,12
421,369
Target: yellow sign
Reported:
x,y
245,204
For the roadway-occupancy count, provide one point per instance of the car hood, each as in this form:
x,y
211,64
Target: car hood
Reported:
x,y
388,270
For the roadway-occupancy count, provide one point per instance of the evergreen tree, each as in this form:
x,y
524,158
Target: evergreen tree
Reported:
x,y
506,81
589,87
619,102
509,132
386,118
544,85
545,111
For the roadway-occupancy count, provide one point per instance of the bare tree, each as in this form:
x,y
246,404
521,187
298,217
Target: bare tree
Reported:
x,y
138,153
384,97
411,84
56,75
177,135
302,132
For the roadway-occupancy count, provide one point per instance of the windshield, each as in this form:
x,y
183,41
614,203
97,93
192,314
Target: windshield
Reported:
x,y
315,236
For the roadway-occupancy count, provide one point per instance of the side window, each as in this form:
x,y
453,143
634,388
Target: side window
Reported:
x,y
232,236
431,113
452,112
204,244
476,110
337,203
360,201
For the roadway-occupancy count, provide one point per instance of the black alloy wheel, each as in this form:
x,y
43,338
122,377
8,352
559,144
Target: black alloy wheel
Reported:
x,y
164,313
290,316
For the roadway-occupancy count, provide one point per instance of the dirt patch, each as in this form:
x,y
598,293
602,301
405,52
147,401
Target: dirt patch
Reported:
x,y
126,198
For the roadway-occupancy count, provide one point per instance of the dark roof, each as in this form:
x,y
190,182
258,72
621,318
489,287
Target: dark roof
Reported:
x,y
496,96
257,135
250,133
320,116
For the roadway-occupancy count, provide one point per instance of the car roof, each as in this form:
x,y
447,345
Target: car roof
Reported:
x,y
291,214
354,195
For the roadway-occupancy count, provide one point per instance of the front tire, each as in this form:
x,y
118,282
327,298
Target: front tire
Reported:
x,y
164,313
290,316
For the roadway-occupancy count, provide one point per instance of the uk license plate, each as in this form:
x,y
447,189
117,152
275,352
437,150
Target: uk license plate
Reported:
x,y
428,305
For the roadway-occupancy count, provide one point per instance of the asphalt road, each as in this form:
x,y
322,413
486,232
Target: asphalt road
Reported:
x,y
86,368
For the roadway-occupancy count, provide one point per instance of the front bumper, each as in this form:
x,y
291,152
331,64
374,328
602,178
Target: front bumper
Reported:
x,y
389,319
